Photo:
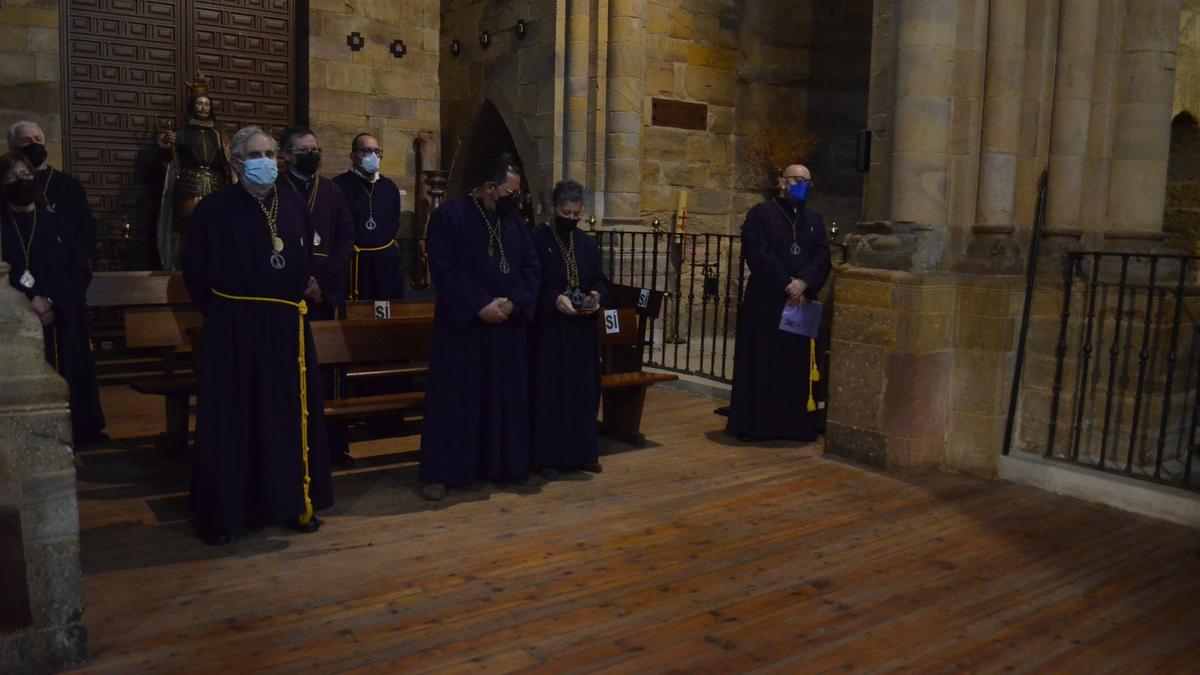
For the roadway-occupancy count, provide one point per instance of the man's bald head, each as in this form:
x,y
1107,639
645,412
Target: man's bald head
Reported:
x,y
795,173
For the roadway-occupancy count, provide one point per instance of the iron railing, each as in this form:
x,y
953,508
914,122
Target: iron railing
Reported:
x,y
1126,367
702,278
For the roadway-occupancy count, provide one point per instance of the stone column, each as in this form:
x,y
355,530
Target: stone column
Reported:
x,y
1003,87
1145,93
626,101
41,582
575,90
1072,112
925,58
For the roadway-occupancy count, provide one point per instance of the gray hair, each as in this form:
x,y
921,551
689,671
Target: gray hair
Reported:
x,y
567,192
237,146
16,128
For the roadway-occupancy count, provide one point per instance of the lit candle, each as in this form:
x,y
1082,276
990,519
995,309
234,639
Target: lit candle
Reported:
x,y
681,211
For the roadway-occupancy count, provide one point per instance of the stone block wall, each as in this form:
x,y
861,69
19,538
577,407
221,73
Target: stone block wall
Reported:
x,y
30,80
371,90
921,366
691,55
520,77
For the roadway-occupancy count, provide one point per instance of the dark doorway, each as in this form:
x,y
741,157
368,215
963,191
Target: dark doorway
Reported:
x,y
487,137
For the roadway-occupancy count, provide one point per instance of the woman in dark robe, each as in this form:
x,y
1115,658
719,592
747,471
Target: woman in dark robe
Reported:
x,y
50,267
564,348
787,249
487,274
261,453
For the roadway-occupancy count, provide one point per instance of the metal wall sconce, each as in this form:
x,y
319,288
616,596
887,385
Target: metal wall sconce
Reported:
x,y
398,49
455,48
522,29
485,39
355,41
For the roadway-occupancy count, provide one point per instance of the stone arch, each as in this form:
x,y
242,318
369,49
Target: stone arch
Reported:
x,y
489,133
1181,218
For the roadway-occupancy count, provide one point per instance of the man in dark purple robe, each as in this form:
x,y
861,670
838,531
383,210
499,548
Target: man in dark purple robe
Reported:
x,y
62,194
261,454
787,249
487,275
50,268
325,207
376,272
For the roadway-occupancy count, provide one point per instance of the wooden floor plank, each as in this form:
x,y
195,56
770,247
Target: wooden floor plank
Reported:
x,y
696,553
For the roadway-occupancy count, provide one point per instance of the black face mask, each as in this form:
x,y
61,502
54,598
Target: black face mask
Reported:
x,y
35,153
505,205
566,223
308,163
22,192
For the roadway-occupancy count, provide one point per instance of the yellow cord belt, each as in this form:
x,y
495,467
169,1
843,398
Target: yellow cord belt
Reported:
x,y
301,310
814,374
358,250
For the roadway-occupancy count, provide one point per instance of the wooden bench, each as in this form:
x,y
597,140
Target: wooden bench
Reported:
x,y
367,344
623,383
156,316
385,309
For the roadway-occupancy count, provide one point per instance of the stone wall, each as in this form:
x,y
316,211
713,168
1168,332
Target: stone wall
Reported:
x,y
691,55
789,72
29,69
520,78
370,89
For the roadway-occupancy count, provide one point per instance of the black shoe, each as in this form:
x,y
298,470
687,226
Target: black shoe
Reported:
x,y
307,528
217,538
593,468
343,460
548,473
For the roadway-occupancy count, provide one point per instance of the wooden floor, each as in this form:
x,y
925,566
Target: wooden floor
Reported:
x,y
696,554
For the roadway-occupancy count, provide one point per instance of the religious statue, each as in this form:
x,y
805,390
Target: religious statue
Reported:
x,y
198,166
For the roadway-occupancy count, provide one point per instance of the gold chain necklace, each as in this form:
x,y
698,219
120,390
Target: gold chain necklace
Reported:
x,y
568,256
46,190
272,216
494,240
27,279
795,250
312,197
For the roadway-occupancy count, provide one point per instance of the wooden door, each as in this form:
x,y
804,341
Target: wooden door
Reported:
x,y
125,65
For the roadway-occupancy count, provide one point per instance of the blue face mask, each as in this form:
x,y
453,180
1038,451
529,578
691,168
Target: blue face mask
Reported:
x,y
260,171
799,192
370,163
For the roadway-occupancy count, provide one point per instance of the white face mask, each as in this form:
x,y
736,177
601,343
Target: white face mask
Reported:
x,y
370,163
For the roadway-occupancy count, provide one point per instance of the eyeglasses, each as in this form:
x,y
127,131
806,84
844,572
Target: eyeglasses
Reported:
x,y
304,151
512,193
378,152
14,176
796,180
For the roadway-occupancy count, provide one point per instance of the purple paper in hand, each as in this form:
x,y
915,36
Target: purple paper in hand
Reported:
x,y
801,319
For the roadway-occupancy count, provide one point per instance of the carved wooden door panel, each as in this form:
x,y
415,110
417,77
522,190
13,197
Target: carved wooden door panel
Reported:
x,y
125,63
121,81
245,48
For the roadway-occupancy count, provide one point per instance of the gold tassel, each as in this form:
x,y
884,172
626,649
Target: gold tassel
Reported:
x,y
814,375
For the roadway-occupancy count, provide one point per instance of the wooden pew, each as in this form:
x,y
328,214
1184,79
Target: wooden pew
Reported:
x,y
156,315
368,342
386,309
624,385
